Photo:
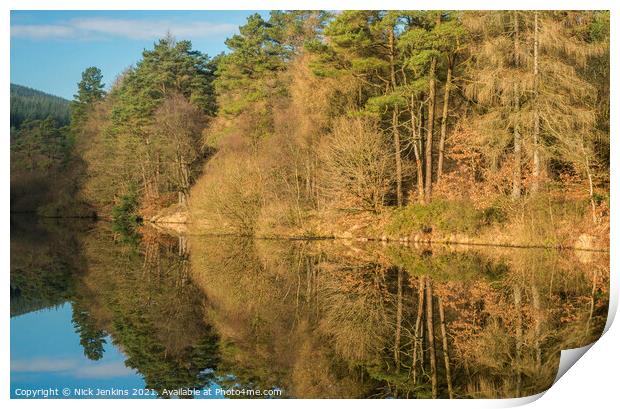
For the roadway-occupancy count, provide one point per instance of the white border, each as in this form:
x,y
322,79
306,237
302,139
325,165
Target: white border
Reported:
x,y
592,381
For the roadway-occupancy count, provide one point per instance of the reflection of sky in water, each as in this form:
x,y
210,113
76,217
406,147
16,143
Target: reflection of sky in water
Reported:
x,y
46,353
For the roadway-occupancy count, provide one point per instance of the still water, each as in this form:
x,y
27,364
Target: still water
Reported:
x,y
156,315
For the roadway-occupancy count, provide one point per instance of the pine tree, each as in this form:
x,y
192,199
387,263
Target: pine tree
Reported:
x,y
364,46
423,42
90,90
527,78
257,53
131,148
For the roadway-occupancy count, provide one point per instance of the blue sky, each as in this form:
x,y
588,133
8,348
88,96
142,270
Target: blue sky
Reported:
x,y
50,49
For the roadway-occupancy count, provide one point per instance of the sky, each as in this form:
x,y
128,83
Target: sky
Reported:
x,y
50,49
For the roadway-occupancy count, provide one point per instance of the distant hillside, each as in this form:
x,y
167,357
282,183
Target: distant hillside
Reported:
x,y
28,103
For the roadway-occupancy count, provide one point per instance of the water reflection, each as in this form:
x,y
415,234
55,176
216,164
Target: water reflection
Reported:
x,y
333,319
312,319
138,297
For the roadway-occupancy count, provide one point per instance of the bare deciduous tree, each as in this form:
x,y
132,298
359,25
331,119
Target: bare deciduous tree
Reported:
x,y
357,167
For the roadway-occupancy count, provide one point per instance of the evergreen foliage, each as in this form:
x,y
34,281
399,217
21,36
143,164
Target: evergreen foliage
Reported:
x,y
90,90
31,104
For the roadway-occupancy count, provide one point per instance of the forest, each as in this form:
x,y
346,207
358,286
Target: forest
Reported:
x,y
41,153
30,104
403,125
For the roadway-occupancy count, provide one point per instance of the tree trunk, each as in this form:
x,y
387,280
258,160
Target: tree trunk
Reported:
x,y
429,132
516,173
431,337
518,336
430,124
444,340
536,158
395,134
417,338
399,318
399,170
537,324
590,187
444,120
416,138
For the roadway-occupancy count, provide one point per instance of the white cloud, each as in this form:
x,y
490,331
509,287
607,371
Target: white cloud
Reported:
x,y
126,28
42,31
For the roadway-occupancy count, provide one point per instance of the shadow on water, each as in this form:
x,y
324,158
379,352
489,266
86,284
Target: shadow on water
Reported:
x,y
314,319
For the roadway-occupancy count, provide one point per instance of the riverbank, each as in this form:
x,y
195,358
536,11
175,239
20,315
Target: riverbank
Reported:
x,y
525,226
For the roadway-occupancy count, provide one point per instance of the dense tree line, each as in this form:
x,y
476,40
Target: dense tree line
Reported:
x,y
31,104
360,111
41,153
379,110
42,164
142,141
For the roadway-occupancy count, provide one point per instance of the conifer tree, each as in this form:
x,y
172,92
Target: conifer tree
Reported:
x,y
528,79
90,90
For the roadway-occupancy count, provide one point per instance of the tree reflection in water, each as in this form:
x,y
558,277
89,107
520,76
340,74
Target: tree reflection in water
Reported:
x,y
317,319
137,292
147,302
334,319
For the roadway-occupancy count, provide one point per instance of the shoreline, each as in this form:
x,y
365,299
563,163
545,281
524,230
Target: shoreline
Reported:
x,y
185,228
403,241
